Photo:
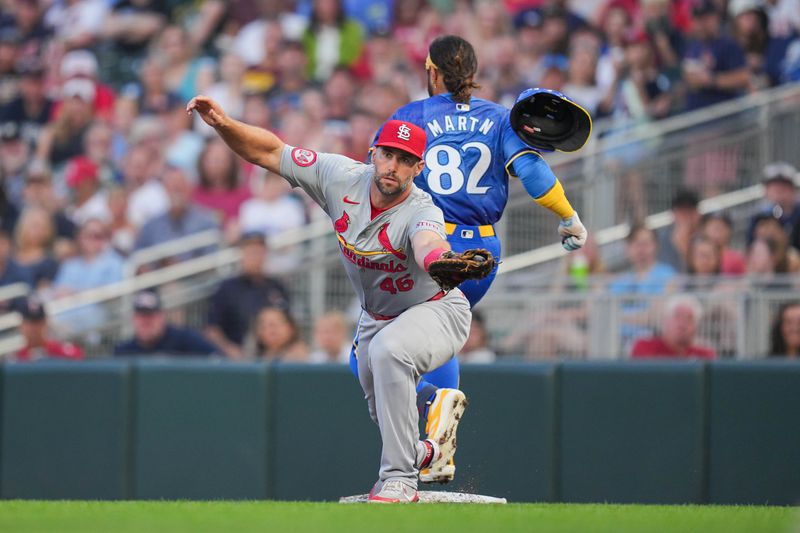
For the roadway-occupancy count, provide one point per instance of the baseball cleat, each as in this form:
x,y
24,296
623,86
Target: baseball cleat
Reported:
x,y
444,414
444,475
394,491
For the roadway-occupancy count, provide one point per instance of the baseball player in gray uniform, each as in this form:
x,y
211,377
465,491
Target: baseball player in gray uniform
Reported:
x,y
389,231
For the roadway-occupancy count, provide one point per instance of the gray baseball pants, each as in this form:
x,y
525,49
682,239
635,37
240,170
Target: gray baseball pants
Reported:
x,y
392,355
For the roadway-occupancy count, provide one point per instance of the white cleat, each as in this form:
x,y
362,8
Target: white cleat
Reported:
x,y
444,413
394,491
444,475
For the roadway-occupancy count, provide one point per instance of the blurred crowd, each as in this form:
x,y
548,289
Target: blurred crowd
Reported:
x,y
98,158
680,282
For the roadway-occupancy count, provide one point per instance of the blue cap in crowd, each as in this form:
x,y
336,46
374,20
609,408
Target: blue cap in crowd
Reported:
x,y
253,236
147,302
528,18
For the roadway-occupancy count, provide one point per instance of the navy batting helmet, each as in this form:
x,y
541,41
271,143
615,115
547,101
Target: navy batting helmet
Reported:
x,y
548,120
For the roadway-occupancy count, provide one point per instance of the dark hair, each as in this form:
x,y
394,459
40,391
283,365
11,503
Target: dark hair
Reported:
x,y
232,175
686,199
771,244
777,343
779,249
456,61
635,229
286,316
314,23
690,254
722,217
758,42
767,216
287,45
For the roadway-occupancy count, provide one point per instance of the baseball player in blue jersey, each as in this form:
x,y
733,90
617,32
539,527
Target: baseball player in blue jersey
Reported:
x,y
471,151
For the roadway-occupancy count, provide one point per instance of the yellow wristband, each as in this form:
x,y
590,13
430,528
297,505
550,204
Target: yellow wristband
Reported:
x,y
556,201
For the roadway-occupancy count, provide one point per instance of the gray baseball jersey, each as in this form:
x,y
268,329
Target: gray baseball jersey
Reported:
x,y
376,253
405,334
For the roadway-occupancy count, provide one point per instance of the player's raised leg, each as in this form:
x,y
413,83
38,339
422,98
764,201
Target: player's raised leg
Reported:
x,y
447,376
434,391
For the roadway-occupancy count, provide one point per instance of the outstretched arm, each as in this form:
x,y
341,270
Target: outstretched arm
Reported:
x,y
547,191
256,145
427,243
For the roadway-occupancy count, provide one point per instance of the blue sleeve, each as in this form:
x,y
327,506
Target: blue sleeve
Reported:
x,y
665,272
777,49
534,173
196,343
511,144
209,221
47,270
143,239
65,275
732,57
117,269
523,162
692,50
621,285
280,289
126,348
113,270
218,305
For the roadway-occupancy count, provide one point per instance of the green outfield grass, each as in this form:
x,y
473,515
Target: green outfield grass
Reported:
x,y
291,517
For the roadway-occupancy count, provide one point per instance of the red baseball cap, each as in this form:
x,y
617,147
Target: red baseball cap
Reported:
x,y
81,169
403,135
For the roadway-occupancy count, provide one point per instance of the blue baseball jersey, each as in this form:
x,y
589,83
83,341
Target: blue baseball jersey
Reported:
x,y
468,157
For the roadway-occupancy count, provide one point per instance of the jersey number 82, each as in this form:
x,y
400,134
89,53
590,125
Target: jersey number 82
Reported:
x,y
452,168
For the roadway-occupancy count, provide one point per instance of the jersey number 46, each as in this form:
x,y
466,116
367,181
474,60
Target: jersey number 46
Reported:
x,y
401,284
452,168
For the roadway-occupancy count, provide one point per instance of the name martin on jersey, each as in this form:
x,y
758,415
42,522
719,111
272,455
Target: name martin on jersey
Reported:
x,y
458,124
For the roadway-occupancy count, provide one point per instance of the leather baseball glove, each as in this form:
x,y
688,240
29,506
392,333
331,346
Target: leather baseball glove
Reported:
x,y
452,268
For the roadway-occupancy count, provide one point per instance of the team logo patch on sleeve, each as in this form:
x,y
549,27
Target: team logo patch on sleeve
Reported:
x,y
303,157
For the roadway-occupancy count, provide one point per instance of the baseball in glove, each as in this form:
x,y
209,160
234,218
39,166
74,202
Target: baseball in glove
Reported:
x,y
451,268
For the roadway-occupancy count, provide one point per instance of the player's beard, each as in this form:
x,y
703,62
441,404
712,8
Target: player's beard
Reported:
x,y
400,188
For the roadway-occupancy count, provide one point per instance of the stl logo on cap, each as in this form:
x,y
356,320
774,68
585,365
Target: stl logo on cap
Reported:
x,y
407,137
404,132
